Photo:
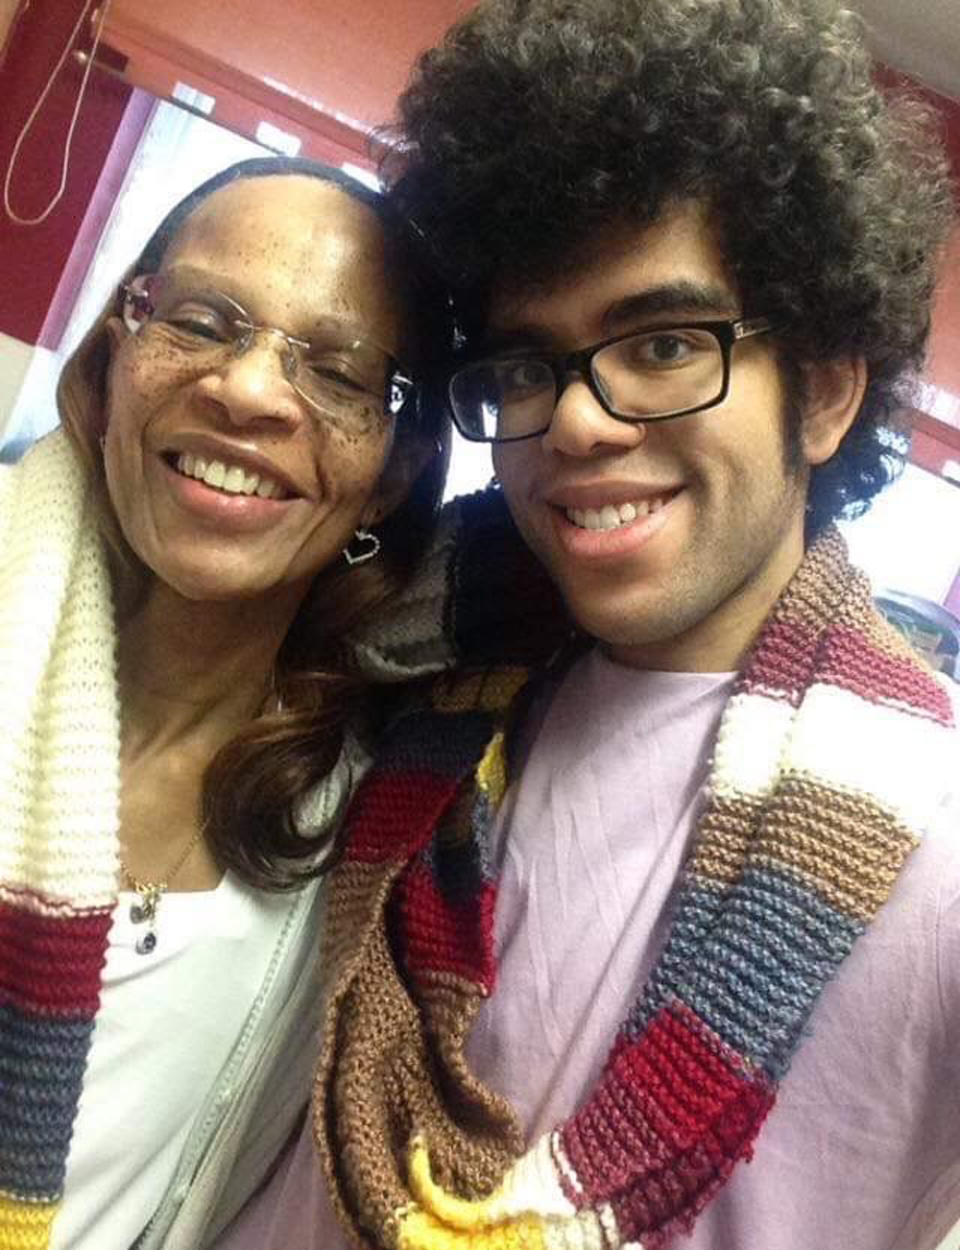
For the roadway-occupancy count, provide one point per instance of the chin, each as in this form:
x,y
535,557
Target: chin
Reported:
x,y
635,624
211,585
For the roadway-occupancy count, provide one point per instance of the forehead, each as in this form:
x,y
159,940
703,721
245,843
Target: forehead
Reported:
x,y
290,246
598,285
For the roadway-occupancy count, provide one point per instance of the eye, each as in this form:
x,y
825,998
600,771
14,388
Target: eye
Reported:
x,y
518,378
663,349
340,375
200,325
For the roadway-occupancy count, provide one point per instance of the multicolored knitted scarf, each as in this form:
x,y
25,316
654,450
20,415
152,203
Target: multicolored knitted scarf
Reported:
x,y
59,804
831,755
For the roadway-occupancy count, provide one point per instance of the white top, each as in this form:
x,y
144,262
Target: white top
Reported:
x,y
167,1024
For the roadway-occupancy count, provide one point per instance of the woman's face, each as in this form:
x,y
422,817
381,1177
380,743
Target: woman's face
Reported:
x,y
227,479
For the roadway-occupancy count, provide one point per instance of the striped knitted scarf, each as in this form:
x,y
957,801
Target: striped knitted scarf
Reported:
x,y
831,754
59,788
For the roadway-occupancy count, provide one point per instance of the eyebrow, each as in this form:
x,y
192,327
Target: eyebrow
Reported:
x,y
188,279
675,300
204,279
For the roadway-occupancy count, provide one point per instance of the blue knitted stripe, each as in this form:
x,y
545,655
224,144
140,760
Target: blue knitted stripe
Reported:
x,y
750,961
42,1061
461,866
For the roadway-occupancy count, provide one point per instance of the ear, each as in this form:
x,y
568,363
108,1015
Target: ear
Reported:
x,y
408,458
835,390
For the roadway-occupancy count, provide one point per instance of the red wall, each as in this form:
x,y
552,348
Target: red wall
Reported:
x,y
33,258
325,69
943,366
337,67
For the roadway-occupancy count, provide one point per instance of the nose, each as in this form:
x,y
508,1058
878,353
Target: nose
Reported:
x,y
580,426
253,384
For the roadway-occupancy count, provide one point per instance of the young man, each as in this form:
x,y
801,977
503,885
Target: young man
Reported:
x,y
717,990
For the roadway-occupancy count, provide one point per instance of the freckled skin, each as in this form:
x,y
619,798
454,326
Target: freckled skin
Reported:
x,y
291,251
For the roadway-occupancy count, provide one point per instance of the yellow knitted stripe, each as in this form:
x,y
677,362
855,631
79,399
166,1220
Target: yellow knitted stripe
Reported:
x,y
441,1221
492,771
420,1230
25,1225
489,691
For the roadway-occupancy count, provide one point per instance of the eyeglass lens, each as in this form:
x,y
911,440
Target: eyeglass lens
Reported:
x,y
646,376
334,370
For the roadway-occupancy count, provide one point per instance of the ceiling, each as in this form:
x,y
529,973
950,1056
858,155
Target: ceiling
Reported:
x,y
921,37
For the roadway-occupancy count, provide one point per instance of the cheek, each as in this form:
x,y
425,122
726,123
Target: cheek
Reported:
x,y
352,459
144,373
366,424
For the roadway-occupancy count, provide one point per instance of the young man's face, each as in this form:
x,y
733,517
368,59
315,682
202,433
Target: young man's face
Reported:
x,y
687,585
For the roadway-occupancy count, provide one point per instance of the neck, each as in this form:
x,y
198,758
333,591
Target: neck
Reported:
x,y
197,670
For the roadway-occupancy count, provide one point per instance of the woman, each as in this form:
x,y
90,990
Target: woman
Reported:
x,y
243,473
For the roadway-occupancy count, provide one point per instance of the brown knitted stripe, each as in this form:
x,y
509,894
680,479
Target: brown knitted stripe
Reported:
x,y
362,1116
385,1088
449,1005
844,845
725,834
881,635
356,895
824,588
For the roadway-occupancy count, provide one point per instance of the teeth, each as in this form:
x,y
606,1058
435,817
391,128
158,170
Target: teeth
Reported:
x,y
612,516
216,473
233,482
231,479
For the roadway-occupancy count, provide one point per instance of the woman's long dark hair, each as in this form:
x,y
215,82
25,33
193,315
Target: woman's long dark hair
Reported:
x,y
254,784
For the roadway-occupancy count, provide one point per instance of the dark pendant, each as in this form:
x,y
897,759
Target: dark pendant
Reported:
x,y
147,943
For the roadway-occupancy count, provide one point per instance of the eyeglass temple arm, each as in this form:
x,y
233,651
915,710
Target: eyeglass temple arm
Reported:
x,y
754,325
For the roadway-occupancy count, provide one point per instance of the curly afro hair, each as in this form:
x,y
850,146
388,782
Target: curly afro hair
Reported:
x,y
536,122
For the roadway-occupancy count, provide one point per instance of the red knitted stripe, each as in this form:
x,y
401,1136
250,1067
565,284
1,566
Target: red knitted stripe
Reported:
x,y
660,1095
50,965
783,660
394,814
669,1202
443,935
851,663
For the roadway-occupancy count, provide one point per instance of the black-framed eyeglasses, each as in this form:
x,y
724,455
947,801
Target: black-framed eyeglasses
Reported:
x,y
646,375
335,373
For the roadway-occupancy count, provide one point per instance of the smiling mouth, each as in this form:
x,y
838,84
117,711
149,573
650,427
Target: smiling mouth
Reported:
x,y
229,479
615,516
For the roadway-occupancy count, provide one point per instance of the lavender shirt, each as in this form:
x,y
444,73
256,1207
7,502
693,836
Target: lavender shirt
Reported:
x,y
862,1151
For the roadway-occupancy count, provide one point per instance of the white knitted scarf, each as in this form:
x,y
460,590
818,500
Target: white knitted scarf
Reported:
x,y
59,750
